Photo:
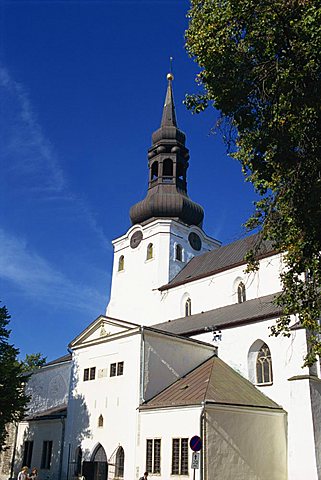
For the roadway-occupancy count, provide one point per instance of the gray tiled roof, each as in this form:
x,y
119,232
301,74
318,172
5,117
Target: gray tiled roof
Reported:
x,y
64,358
215,382
224,317
222,258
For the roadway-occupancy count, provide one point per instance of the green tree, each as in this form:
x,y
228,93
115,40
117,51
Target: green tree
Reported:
x,y
13,400
32,362
260,67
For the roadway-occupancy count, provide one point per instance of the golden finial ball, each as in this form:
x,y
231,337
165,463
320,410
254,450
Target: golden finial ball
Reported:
x,y
170,76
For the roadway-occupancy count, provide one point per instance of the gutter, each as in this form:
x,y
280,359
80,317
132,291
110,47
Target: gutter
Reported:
x,y
142,366
62,441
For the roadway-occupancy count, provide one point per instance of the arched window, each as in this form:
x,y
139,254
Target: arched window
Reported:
x,y
178,252
167,168
100,421
154,171
149,252
119,463
121,263
264,373
78,460
188,307
241,293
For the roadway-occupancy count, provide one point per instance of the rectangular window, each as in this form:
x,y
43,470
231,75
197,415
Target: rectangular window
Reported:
x,y
120,368
27,453
153,452
89,374
113,369
180,456
46,454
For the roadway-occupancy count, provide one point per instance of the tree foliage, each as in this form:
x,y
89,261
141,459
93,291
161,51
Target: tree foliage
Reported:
x,y
13,400
32,362
260,67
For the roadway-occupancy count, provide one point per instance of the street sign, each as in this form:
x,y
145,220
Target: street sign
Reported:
x,y
195,443
195,460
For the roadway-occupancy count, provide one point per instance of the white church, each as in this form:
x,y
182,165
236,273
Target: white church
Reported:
x,y
183,350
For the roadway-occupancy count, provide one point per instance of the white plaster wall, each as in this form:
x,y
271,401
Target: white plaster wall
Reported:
x,y
294,396
167,358
245,444
115,398
221,289
166,424
38,432
49,387
134,291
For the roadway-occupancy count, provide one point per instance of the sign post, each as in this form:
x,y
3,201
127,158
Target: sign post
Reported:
x,y
195,444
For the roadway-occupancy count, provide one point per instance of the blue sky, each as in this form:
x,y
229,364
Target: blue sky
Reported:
x,y
82,84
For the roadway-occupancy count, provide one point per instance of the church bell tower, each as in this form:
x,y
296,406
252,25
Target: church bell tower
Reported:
x,y
166,229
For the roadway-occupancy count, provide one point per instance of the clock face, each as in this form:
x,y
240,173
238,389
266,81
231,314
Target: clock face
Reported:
x,y
136,239
195,241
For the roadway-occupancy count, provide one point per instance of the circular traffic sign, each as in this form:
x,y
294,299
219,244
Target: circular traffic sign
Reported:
x,y
195,443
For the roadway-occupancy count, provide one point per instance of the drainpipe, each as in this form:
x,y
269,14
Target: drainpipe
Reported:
x,y
62,441
142,366
14,450
202,435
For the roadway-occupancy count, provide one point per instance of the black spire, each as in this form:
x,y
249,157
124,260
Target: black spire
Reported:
x,y
168,162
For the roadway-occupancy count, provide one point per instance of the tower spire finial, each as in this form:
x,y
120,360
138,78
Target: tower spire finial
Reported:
x,y
169,117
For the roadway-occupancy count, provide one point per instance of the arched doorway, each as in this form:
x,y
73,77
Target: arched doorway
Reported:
x,y
97,468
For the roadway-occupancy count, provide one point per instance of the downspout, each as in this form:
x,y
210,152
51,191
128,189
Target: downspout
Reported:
x,y
62,441
142,366
203,438
14,451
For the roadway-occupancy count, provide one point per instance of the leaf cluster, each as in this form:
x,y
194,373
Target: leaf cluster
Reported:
x,y
13,400
260,67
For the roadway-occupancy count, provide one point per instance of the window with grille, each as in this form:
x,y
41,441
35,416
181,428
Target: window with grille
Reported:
x,y
116,369
264,373
27,453
46,454
89,374
180,456
119,464
188,307
120,368
241,293
153,458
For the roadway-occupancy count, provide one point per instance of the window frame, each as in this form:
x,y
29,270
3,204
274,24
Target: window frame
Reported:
x,y
180,456
121,263
150,252
188,307
46,455
153,455
263,359
27,453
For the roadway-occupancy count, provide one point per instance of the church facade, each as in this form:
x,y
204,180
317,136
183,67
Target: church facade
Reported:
x,y
182,350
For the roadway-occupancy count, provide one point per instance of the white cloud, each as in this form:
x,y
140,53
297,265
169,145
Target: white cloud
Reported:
x,y
29,160
38,279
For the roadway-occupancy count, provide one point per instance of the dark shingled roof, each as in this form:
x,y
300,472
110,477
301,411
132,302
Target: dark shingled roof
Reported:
x,y
215,382
224,317
220,259
50,414
64,358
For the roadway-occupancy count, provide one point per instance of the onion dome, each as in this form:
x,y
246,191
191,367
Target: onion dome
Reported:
x,y
168,162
